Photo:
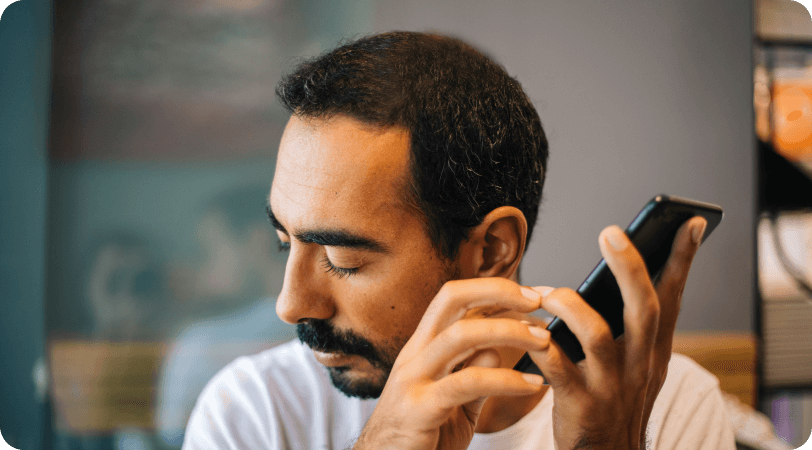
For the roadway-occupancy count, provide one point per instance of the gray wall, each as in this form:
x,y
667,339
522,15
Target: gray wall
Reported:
x,y
637,98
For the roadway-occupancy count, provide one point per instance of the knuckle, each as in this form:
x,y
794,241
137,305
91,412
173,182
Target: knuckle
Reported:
x,y
562,296
600,340
648,311
637,269
602,335
448,288
448,294
654,306
651,313
455,332
556,361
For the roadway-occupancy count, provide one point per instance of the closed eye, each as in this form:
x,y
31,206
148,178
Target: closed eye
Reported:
x,y
340,272
328,265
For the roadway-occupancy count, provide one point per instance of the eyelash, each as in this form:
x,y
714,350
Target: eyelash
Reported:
x,y
340,272
329,267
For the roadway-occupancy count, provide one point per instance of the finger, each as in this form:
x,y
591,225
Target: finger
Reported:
x,y
561,374
461,340
488,358
482,358
456,298
474,383
641,312
675,273
543,290
591,330
485,358
541,322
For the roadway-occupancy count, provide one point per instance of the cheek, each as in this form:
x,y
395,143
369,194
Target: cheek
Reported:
x,y
391,313
406,302
389,300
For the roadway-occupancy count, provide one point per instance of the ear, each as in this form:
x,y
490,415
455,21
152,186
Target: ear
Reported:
x,y
494,247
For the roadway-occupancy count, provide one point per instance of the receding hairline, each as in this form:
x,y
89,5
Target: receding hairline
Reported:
x,y
326,117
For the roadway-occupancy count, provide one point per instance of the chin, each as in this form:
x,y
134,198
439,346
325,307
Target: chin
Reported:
x,y
353,384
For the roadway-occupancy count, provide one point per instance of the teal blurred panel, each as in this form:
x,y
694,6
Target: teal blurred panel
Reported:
x,y
158,110
162,202
25,50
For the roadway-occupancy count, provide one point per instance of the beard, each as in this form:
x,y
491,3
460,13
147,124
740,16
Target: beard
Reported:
x,y
320,335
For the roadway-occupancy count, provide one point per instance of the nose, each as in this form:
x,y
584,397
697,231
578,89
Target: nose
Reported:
x,y
303,296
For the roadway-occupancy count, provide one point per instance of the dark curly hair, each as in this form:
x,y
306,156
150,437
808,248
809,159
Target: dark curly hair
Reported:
x,y
476,141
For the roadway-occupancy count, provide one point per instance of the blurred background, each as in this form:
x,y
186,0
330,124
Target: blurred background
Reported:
x,y
137,147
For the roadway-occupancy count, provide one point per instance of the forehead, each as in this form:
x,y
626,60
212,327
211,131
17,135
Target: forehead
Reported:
x,y
330,171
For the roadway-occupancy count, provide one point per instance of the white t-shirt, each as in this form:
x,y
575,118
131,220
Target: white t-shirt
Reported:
x,y
201,350
282,398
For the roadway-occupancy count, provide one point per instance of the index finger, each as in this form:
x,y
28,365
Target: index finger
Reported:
x,y
458,297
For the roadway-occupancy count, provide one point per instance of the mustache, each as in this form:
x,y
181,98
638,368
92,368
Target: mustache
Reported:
x,y
320,335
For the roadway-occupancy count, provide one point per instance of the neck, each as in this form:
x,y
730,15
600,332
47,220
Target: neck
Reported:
x,y
499,413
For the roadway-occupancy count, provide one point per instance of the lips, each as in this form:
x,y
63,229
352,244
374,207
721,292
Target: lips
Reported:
x,y
332,359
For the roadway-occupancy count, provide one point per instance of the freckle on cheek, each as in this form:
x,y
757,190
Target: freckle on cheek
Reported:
x,y
393,306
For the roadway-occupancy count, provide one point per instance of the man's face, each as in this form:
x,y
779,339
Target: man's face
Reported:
x,y
361,269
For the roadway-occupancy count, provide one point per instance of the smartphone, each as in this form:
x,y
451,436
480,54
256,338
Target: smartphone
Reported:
x,y
652,232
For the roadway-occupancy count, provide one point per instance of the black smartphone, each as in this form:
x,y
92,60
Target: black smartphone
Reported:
x,y
652,232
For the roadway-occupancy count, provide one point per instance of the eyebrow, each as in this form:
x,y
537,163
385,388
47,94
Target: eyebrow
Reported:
x,y
332,238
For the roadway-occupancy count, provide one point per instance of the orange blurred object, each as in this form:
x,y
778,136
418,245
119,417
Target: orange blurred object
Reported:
x,y
792,119
100,387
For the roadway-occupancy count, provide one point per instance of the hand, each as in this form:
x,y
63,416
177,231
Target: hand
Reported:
x,y
604,402
447,369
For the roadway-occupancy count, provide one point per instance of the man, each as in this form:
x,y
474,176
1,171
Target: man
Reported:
x,y
407,184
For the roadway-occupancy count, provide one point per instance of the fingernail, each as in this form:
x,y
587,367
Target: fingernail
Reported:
x,y
544,290
698,231
538,332
617,238
533,379
530,294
